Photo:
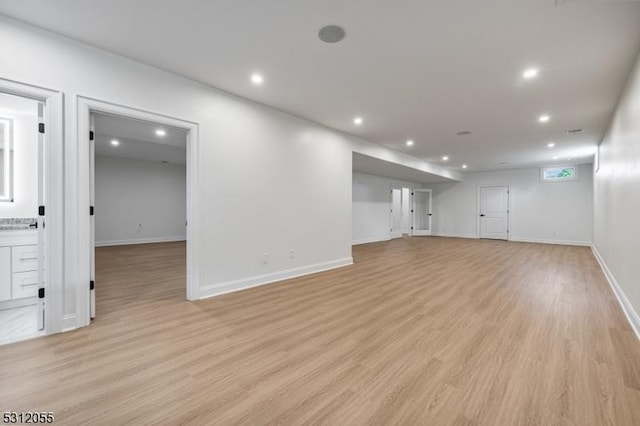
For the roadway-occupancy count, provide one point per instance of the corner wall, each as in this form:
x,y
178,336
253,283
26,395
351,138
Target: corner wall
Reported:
x,y
617,200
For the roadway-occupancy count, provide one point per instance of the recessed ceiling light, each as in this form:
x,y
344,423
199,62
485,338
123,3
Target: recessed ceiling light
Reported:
x,y
555,157
544,118
357,121
409,142
530,73
161,132
551,144
445,158
115,142
464,166
257,79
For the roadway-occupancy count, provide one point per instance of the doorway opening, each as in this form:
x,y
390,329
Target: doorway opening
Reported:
x,y
140,196
493,212
22,239
400,211
139,213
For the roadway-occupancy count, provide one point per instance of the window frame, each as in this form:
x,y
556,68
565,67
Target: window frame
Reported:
x,y
573,178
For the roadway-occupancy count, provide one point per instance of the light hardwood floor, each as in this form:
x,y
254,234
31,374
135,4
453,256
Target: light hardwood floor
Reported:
x,y
427,331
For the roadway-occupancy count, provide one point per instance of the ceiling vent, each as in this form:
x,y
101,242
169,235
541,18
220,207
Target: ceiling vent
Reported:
x,y
331,34
575,130
464,133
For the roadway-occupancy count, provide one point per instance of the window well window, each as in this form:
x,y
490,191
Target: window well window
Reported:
x,y
559,173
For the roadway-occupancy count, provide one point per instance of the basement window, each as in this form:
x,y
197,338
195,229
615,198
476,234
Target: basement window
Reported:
x,y
558,174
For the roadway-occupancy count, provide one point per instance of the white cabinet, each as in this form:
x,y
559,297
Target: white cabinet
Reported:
x,y
18,267
5,273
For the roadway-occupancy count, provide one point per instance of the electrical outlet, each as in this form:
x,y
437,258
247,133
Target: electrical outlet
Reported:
x,y
292,254
265,258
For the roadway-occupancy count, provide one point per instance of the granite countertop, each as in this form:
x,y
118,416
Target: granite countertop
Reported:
x,y
17,223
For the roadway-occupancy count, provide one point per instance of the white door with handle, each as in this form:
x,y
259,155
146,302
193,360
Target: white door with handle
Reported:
x,y
494,212
421,212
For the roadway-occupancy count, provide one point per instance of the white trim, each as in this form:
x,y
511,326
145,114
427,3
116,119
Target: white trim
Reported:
x,y
548,241
139,241
85,106
54,194
627,308
245,283
453,235
371,240
69,322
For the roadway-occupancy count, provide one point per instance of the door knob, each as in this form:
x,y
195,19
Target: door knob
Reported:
x,y
482,215
428,214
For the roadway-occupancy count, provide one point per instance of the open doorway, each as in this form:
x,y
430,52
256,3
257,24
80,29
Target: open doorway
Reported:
x,y
400,211
22,188
139,208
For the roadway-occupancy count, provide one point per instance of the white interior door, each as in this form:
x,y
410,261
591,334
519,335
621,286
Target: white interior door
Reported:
x,y
421,210
494,212
92,178
396,213
41,217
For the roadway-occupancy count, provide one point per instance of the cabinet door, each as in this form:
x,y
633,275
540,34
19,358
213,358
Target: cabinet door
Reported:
x,y
24,258
25,284
5,273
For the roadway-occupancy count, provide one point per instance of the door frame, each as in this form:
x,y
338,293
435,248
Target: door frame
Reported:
x,y
479,187
53,274
86,106
413,222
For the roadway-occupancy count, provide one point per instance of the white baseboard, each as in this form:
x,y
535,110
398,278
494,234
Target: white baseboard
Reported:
x,y
627,308
452,235
245,283
547,241
396,235
69,322
371,240
139,241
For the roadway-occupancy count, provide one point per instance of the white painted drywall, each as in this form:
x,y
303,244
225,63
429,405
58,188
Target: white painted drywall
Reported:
x,y
271,181
371,206
25,162
559,212
139,201
617,198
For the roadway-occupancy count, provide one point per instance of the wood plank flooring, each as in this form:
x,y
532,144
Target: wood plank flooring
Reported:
x,y
426,331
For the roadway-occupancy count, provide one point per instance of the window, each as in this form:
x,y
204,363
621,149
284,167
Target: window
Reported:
x,y
559,173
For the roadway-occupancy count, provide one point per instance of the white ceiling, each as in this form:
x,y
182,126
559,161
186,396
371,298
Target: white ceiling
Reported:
x,y
419,69
138,140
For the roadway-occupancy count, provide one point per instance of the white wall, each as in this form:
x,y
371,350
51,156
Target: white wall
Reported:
x,y
265,175
139,201
25,160
617,199
371,206
558,212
